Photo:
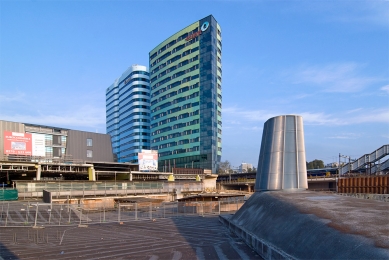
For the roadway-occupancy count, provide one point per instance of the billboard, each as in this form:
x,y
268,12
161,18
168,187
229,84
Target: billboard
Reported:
x,y
38,145
24,144
148,160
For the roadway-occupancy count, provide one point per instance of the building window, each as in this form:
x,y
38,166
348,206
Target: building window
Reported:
x,y
89,153
89,142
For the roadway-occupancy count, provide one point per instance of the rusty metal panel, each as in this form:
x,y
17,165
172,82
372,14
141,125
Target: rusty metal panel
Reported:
x,y
364,184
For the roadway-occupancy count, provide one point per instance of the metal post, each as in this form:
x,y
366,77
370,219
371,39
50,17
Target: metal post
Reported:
x,y
70,212
104,213
50,214
36,213
6,218
337,179
119,213
136,211
28,212
349,165
151,211
219,207
80,214
60,216
2,210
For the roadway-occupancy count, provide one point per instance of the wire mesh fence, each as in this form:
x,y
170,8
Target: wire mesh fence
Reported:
x,y
37,214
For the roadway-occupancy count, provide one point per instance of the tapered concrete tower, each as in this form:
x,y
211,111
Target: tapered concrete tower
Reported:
x,y
282,164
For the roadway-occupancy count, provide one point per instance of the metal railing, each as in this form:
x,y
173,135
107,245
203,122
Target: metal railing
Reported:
x,y
365,159
40,159
83,189
37,214
237,181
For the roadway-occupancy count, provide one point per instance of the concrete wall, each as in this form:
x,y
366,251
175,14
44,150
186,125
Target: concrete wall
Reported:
x,y
275,228
101,146
209,183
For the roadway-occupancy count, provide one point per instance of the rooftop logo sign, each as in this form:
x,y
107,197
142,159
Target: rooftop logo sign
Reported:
x,y
203,28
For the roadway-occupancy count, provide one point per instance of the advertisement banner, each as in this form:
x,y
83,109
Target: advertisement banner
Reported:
x,y
148,160
38,145
24,144
17,143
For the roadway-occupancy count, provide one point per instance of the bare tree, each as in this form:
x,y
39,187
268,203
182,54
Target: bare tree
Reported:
x,y
224,167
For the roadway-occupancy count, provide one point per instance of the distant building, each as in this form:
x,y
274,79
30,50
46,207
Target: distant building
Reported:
x,y
128,113
24,139
245,167
332,165
186,97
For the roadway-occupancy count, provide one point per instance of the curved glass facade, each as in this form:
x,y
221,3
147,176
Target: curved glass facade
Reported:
x,y
128,113
186,97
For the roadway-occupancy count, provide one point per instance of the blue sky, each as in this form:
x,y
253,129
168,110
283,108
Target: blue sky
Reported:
x,y
327,61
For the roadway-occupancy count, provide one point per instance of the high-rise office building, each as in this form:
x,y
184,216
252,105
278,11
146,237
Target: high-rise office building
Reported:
x,y
128,113
186,97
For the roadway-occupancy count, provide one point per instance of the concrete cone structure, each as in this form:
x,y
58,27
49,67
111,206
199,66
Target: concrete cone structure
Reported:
x,y
282,220
282,164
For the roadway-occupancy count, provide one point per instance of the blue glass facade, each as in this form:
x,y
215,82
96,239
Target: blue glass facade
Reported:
x,y
128,113
186,97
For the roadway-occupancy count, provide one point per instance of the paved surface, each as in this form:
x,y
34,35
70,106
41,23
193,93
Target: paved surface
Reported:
x,y
313,225
175,238
367,218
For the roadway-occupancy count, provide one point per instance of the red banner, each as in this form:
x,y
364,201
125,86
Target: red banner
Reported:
x,y
17,143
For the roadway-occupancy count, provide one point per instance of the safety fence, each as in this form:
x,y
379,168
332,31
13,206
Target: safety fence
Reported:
x,y
37,214
102,188
373,184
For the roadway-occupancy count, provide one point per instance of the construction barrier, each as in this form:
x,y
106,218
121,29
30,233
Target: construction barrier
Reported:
x,y
364,184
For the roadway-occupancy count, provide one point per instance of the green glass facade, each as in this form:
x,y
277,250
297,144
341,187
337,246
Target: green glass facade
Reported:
x,y
186,97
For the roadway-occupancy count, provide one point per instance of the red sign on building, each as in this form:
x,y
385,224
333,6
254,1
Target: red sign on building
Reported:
x,y
17,143
194,35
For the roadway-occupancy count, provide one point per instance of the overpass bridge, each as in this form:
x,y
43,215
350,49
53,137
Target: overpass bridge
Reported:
x,y
369,160
319,183
38,169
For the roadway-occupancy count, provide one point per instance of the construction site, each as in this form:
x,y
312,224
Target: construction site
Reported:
x,y
49,204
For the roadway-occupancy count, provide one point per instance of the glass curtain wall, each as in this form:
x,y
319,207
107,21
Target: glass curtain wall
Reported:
x,y
185,79
128,114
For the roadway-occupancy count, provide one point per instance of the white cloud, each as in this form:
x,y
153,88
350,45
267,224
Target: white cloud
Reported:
x,y
342,77
14,97
352,111
356,116
360,12
385,88
320,119
254,128
79,118
366,12
345,136
372,116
